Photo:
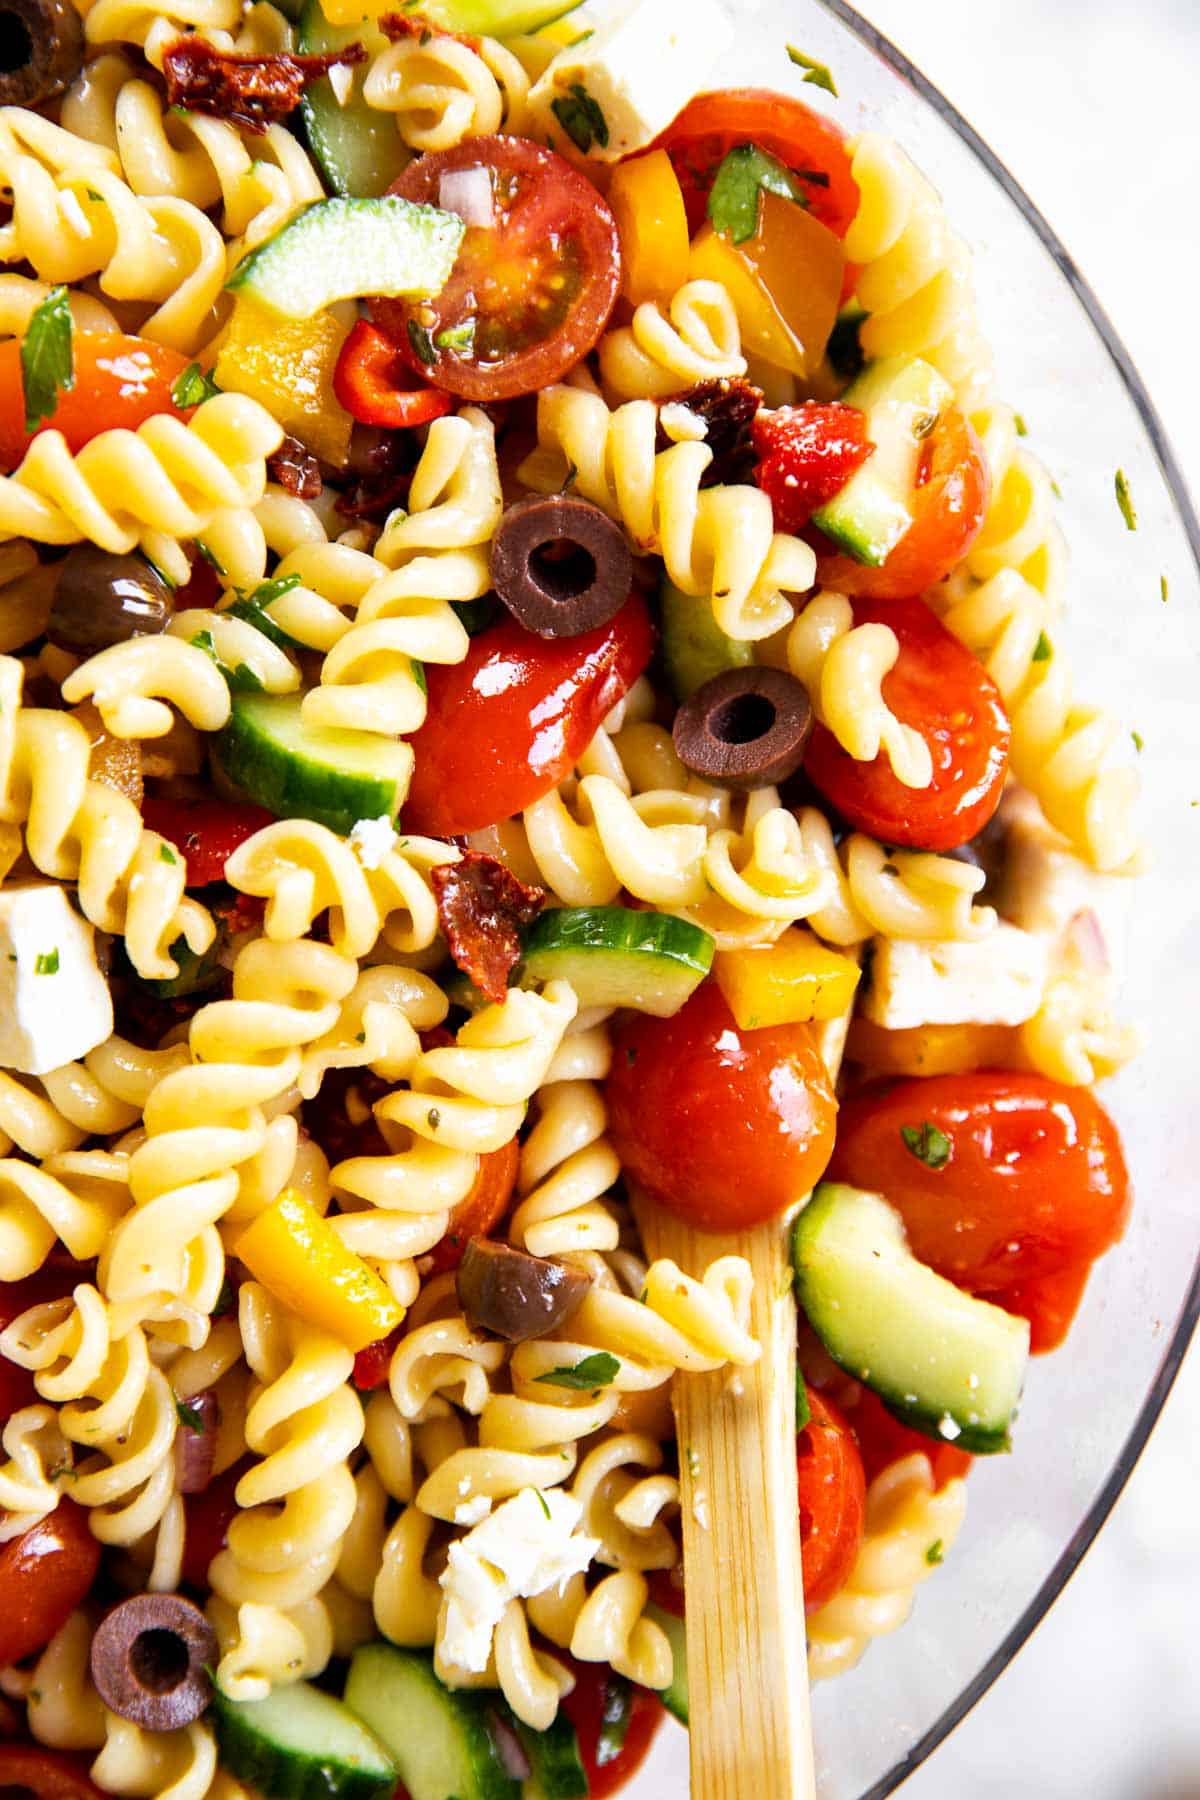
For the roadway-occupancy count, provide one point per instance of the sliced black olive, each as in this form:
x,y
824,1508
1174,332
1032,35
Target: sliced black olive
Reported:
x,y
746,728
515,1295
560,565
41,50
149,1661
102,599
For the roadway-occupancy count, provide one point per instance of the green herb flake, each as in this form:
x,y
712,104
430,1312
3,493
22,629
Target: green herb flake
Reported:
x,y
459,340
189,1416
746,173
1139,742
47,359
210,558
1125,500
1043,650
616,1712
226,1299
422,343
816,72
193,387
927,1143
803,1409
1022,427
935,1553
1164,588
597,1371
47,962
203,640
418,673
572,478
543,1502
166,854
581,118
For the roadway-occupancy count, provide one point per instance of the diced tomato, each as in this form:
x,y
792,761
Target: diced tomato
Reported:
x,y
44,1574
206,832
508,722
207,1518
483,1208
723,1127
372,1364
375,384
883,1441
119,381
531,291
832,1498
807,454
1033,1190
1050,1303
666,1589
47,1774
585,1707
948,507
811,146
202,587
941,689
51,1282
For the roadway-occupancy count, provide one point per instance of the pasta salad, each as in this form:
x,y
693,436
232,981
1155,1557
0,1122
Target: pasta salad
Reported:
x,y
530,691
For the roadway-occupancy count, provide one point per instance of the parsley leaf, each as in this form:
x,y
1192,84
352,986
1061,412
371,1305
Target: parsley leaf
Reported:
x,y
189,1416
47,962
542,1501
935,1553
816,72
1164,588
252,606
593,1372
1125,500
458,339
193,387
1139,742
741,178
1043,650
927,1143
422,343
803,1409
242,679
47,360
581,118
166,854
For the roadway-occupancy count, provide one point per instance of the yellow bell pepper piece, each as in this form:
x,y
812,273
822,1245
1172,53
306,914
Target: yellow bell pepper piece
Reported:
x,y
790,982
785,282
299,1257
647,203
931,1049
355,12
287,365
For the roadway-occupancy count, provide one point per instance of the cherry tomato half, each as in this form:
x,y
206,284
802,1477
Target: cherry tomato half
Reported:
x,y
375,384
596,1696
44,1574
945,692
505,725
205,832
807,454
1034,1186
483,1208
119,381
883,1440
948,507
832,1497
811,146
530,293
1050,1303
48,1774
721,1126
207,1518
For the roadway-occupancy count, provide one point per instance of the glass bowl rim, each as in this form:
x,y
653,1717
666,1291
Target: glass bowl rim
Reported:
x,y
1189,1314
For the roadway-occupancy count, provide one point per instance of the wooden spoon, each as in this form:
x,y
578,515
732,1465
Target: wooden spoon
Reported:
x,y
751,1736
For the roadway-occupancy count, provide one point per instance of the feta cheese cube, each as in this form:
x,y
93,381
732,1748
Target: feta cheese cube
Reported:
x,y
371,839
54,1002
1045,886
996,980
626,82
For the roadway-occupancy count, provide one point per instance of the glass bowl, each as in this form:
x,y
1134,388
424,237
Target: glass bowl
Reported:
x,y
1089,1409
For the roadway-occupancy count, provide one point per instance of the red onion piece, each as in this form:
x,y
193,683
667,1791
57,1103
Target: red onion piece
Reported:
x,y
468,192
1087,943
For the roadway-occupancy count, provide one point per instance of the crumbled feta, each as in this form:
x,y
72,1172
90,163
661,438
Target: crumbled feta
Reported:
x,y
371,839
1045,885
681,424
473,1512
54,1002
997,980
527,1545
341,80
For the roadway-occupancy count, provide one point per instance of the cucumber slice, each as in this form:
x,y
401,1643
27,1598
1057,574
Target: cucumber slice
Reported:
x,y
556,1767
299,771
301,1744
902,398
675,1697
358,150
439,1739
946,1363
694,646
496,18
341,248
615,957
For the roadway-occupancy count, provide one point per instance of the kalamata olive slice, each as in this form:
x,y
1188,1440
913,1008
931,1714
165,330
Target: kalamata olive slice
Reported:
x,y
41,50
560,565
102,599
149,1657
746,728
515,1295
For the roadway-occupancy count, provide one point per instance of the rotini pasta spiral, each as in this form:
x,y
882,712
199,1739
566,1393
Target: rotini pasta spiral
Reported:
x,y
37,1468
904,894
662,351
62,1705
842,666
171,1765
75,1197
567,1166
444,90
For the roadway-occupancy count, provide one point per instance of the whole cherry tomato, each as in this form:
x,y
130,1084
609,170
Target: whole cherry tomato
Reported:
x,y
375,385
118,381
721,1126
206,832
832,1497
806,455
507,723
532,288
883,1440
944,692
44,1574
598,1697
47,1774
1033,1188
948,507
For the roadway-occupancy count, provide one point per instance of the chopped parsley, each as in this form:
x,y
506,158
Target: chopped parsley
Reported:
x,y
581,118
542,1501
1043,650
816,72
252,606
803,1409
242,679
226,1299
193,387
935,1553
47,358
166,854
1139,743
1022,427
596,1371
459,340
190,1416
1125,500
47,962
422,343
1164,588
927,1143
746,173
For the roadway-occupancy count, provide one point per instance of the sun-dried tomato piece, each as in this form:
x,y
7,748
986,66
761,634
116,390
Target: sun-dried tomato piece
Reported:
x,y
482,907
296,470
398,26
728,405
252,91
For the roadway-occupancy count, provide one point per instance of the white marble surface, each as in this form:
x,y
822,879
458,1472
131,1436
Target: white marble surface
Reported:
x,y
1095,106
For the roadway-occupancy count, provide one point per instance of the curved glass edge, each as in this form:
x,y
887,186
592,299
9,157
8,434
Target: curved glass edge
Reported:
x,y
1189,1315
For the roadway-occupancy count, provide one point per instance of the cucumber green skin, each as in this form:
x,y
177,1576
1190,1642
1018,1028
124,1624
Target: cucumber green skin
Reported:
x,y
344,247
675,1697
357,149
556,1768
693,645
280,1772
908,1293
394,1692
292,788
601,951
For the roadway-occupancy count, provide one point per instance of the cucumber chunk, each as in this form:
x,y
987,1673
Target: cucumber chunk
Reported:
x,y
946,1363
338,249
357,148
675,1697
615,957
694,646
556,1770
439,1739
298,771
302,1744
903,398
